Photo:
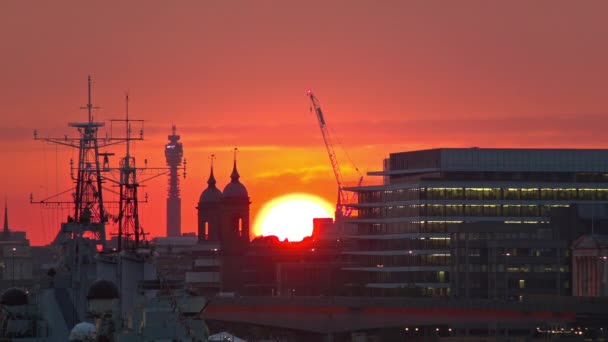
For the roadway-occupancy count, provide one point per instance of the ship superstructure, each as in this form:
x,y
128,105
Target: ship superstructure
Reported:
x,y
97,292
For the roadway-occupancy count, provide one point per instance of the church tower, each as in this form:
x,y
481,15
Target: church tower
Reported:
x,y
235,217
210,211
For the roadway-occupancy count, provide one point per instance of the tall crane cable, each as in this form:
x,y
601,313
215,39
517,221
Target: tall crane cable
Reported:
x,y
352,162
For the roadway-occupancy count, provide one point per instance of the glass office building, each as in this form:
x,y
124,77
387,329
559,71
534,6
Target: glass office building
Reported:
x,y
405,226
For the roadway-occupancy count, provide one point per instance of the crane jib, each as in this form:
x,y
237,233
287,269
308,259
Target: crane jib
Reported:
x,y
321,116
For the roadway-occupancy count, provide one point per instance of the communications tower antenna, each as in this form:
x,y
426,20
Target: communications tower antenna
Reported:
x,y
173,155
342,209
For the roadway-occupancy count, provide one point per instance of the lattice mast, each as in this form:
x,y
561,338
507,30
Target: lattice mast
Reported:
x,y
89,213
173,155
129,230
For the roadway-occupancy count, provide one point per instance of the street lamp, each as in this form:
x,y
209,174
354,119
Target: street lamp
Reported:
x,y
13,261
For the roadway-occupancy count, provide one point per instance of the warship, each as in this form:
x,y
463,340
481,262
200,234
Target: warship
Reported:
x,y
93,292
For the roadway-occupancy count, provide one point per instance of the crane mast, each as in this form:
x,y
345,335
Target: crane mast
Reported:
x,y
341,210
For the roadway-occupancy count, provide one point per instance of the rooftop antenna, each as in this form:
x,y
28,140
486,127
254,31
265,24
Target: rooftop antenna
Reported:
x,y
89,105
128,124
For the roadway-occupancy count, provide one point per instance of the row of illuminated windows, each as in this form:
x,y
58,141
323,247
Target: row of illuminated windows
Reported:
x,y
389,195
531,234
406,245
483,194
524,268
532,284
512,252
491,194
403,227
455,210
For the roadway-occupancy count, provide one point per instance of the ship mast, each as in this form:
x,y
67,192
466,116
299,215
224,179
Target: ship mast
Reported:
x,y
89,214
130,233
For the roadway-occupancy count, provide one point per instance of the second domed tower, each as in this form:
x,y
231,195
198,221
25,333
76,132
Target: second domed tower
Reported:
x,y
235,217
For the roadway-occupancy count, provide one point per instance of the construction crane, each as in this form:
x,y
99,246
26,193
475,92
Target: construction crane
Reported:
x,y
342,210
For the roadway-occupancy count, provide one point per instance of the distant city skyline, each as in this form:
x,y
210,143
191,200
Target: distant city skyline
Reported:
x,y
391,76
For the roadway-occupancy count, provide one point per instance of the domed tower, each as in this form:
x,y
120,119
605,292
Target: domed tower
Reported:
x,y
235,218
209,211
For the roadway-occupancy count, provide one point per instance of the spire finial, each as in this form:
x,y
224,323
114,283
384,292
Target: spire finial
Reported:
x,y
211,180
5,215
89,107
235,174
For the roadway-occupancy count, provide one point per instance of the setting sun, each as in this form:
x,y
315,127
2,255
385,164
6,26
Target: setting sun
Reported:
x,y
291,216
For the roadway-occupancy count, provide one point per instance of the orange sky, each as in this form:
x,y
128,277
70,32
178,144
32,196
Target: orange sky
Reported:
x,y
390,75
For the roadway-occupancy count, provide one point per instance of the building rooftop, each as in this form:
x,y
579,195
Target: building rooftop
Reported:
x,y
497,160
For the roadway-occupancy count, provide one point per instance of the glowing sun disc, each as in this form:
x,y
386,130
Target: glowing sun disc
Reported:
x,y
290,216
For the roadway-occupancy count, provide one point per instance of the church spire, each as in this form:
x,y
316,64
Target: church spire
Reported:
x,y
211,180
235,174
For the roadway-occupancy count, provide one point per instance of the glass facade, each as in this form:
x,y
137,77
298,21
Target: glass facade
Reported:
x,y
403,239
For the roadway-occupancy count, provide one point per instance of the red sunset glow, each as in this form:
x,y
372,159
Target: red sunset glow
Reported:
x,y
390,75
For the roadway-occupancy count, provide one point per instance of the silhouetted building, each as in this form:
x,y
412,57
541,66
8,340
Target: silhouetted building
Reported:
x,y
173,154
306,268
223,217
322,227
15,257
590,266
404,244
210,212
235,214
223,235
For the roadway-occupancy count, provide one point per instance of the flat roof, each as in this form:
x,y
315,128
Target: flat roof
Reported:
x,y
497,160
